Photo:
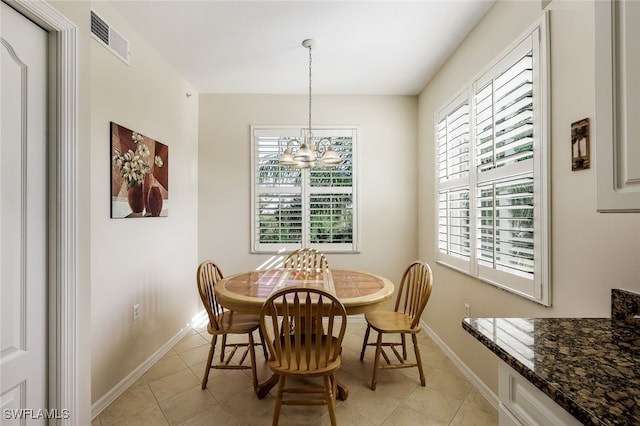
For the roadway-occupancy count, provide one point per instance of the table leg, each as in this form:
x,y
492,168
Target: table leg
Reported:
x,y
263,388
343,391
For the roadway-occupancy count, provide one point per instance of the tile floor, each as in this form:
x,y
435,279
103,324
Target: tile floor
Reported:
x,y
169,393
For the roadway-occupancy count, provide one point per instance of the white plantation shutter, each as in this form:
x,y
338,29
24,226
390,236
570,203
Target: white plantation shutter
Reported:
x,y
281,217
295,208
504,162
504,111
505,226
454,226
453,132
278,194
505,240
453,143
331,200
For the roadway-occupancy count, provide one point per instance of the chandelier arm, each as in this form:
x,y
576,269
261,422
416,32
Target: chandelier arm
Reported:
x,y
320,143
293,140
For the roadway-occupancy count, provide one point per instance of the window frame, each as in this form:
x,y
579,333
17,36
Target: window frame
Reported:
x,y
306,192
537,289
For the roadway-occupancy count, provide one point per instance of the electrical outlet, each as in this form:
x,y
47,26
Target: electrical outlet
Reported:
x,y
467,310
136,311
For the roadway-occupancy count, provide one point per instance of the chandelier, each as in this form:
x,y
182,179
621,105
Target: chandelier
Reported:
x,y
309,154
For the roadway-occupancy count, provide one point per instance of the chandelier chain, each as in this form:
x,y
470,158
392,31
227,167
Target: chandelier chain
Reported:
x,y
310,89
309,152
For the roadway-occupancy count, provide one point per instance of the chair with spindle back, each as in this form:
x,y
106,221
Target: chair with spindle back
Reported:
x,y
413,295
306,259
311,350
224,322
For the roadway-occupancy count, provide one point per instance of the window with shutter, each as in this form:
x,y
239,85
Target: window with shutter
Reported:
x,y
454,238
492,161
295,208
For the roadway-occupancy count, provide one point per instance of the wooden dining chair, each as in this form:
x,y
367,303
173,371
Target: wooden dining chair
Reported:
x,y
413,295
311,350
224,322
306,259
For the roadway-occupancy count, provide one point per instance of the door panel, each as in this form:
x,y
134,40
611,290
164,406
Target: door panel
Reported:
x,y
23,219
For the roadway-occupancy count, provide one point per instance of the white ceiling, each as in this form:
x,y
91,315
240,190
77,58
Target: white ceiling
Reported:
x,y
363,47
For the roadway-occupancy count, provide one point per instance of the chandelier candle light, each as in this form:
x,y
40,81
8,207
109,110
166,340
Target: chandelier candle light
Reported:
x,y
307,155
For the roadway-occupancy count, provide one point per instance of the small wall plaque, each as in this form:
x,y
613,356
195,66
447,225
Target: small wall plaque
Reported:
x,y
580,149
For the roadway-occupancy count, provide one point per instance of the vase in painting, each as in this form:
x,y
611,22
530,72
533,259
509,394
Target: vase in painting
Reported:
x,y
154,201
135,196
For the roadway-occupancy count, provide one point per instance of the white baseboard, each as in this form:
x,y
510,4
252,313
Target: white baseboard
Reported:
x,y
124,384
491,397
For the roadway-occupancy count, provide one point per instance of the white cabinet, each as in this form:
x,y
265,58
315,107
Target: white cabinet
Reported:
x,y
505,417
521,403
617,96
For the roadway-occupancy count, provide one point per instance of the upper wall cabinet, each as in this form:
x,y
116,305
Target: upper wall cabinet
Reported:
x,y
617,72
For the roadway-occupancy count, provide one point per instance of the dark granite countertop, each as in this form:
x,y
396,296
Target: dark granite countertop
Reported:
x,y
588,366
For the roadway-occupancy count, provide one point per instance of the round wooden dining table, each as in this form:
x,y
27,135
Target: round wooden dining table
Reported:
x,y
358,291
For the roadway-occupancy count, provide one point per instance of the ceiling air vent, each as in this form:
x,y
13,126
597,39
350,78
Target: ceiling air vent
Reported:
x,y
109,38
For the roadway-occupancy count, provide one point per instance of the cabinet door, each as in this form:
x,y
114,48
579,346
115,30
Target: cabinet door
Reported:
x,y
617,131
528,404
506,417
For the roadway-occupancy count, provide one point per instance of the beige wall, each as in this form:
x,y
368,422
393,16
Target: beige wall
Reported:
x,y
148,261
387,176
591,252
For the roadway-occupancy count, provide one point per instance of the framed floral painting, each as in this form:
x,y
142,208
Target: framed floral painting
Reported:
x,y
139,174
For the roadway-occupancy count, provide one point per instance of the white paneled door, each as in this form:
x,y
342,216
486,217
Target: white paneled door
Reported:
x,y
23,220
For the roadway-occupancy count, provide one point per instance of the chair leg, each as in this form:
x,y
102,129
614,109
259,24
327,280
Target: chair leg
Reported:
x,y
264,346
224,346
404,346
374,382
418,360
207,367
364,343
334,382
252,354
329,390
278,405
